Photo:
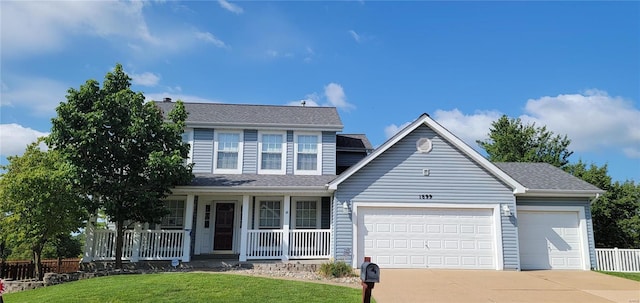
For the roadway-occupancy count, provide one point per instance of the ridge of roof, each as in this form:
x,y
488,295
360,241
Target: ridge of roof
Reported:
x,y
258,115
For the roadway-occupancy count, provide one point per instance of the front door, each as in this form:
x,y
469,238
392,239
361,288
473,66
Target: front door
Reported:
x,y
223,234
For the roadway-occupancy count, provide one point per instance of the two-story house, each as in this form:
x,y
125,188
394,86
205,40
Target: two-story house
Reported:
x,y
268,166
281,182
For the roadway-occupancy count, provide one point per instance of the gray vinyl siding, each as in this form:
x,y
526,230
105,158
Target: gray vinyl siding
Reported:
x,y
290,152
328,153
343,235
581,202
250,152
202,150
397,176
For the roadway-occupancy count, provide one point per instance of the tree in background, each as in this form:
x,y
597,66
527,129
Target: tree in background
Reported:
x,y
126,157
39,201
511,141
616,214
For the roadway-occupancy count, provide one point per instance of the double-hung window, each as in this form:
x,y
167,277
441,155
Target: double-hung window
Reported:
x,y
306,214
269,214
228,145
175,217
187,137
308,154
272,153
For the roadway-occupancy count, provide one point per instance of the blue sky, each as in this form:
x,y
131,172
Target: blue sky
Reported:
x,y
572,66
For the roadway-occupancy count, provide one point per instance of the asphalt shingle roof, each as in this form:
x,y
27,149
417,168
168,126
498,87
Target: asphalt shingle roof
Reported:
x,y
254,180
264,115
353,141
543,176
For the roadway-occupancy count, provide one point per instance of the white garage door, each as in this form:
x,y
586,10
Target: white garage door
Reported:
x,y
427,238
549,240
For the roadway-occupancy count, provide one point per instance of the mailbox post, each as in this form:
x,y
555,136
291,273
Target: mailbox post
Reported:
x,y
369,275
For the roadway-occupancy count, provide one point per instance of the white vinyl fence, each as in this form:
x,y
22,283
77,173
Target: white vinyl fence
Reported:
x,y
614,259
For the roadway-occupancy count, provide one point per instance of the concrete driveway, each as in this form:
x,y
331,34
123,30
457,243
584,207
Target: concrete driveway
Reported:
x,y
430,285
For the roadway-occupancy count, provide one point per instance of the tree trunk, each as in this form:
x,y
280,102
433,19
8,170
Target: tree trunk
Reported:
x,y
37,258
119,241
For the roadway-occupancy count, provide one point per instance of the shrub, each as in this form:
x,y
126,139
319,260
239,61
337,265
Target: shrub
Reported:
x,y
336,269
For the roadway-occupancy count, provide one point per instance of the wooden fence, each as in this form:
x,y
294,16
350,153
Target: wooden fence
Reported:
x,y
21,270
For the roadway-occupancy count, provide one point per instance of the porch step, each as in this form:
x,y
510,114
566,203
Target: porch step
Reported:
x,y
215,257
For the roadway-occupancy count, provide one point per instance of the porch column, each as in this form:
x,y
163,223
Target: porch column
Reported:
x,y
188,226
244,228
90,233
285,228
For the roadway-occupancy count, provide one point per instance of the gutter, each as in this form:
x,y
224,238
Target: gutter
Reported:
x,y
560,193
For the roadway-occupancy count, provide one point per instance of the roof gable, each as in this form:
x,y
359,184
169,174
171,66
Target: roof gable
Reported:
x,y
259,116
424,119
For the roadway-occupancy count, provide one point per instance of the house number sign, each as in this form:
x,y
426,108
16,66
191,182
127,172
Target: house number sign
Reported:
x,y
425,197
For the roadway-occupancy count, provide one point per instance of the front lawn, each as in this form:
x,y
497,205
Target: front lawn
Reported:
x,y
187,287
627,275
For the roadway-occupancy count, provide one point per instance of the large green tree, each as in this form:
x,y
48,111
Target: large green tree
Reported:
x,y
39,201
127,157
512,141
616,213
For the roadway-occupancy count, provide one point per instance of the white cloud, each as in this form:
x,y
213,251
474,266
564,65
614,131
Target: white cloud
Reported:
x,y
231,7
33,27
14,139
391,130
354,35
145,79
592,120
210,38
336,96
333,94
468,128
40,95
175,97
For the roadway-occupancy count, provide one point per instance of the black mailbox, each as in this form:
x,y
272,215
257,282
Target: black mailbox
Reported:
x,y
370,272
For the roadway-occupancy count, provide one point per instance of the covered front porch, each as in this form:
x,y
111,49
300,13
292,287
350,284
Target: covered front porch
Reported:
x,y
256,226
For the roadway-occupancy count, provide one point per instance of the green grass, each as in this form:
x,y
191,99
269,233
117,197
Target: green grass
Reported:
x,y
187,287
627,275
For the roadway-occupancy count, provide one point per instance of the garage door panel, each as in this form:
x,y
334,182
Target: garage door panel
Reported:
x,y
550,240
429,238
400,227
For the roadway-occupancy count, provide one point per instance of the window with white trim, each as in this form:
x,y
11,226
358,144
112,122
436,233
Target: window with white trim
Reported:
x,y
272,155
308,154
228,152
175,218
187,137
306,214
269,214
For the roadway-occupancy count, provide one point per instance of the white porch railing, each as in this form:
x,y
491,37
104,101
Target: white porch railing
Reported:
x,y
139,245
309,244
614,259
303,244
